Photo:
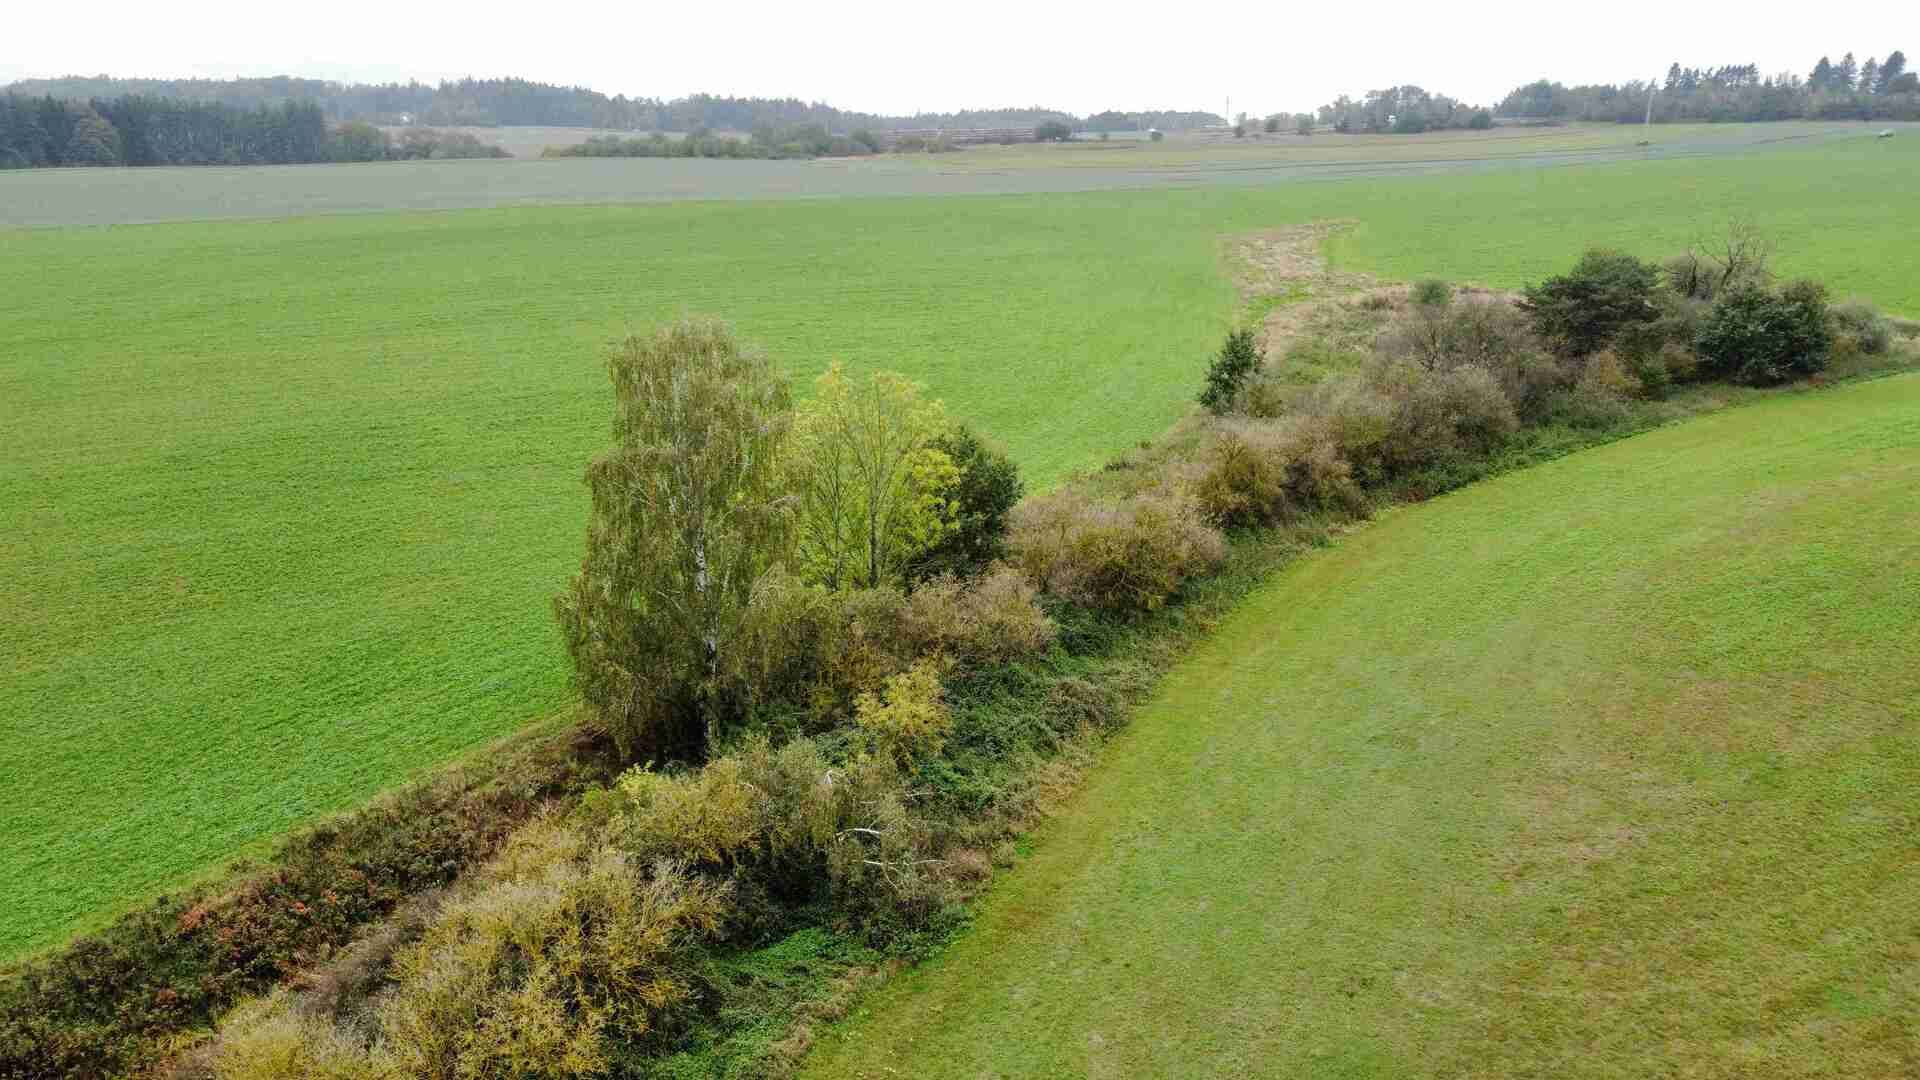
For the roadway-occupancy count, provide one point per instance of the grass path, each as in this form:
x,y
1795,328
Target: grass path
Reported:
x,y
1607,768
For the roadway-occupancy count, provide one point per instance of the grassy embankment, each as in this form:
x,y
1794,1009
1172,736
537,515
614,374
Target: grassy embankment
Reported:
x,y
1603,768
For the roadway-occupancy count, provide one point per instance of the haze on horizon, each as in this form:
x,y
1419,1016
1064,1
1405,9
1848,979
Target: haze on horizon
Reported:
x,y
874,57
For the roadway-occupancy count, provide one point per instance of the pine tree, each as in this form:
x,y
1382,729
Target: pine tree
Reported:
x,y
1847,74
1870,76
1673,77
1821,77
1890,71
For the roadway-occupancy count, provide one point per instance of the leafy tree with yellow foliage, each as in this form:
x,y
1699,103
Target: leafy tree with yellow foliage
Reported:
x,y
874,491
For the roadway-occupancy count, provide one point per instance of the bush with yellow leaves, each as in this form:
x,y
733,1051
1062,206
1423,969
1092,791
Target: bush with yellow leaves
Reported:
x,y
566,948
910,717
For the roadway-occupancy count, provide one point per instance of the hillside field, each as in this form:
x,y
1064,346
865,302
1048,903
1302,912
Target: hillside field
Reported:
x,y
286,500
1606,768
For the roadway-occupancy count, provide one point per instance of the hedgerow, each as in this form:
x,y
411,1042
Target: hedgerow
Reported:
x,y
118,1000
870,752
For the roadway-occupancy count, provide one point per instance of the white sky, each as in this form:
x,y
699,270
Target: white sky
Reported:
x,y
895,57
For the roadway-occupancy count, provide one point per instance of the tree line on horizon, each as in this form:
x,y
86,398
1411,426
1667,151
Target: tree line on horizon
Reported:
x,y
134,130
521,102
1849,90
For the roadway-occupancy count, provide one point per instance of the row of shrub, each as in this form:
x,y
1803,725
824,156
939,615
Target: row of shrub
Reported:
x,y
576,951
781,603
803,141
853,661
797,141
118,1001
1451,379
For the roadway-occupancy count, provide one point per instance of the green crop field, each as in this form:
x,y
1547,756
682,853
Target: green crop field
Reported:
x,y
1606,768
128,196
285,500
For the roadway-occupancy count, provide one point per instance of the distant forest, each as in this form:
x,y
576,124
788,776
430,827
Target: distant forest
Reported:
x,y
47,131
517,102
1848,90
284,120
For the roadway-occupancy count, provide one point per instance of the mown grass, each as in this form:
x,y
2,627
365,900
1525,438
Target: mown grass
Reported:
x,y
1604,768
285,500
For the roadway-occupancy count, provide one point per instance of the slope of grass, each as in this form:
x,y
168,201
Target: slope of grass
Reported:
x,y
285,500
1607,768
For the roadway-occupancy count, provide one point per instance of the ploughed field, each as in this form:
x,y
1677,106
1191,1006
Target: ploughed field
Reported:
x,y
285,500
1606,768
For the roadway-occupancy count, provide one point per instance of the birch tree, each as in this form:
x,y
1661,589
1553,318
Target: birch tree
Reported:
x,y
687,514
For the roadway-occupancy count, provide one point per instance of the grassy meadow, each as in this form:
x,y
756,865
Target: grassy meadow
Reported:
x,y
1605,768
286,499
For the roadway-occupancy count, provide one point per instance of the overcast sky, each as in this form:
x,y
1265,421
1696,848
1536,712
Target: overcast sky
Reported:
x,y
903,57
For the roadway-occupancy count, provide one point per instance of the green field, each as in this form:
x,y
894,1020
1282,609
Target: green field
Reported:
x,y
285,500
1606,768
55,197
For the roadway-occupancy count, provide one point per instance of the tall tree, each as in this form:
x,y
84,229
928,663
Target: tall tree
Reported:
x,y
1821,78
1870,76
1847,75
873,486
93,142
687,515
1890,71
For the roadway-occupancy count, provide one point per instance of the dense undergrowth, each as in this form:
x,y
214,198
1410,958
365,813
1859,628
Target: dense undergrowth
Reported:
x,y
545,913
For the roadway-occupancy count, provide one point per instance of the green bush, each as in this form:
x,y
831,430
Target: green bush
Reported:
x,y
1432,292
1861,324
802,654
1238,358
789,822
1395,417
580,948
117,1001
1052,131
1766,336
1660,353
862,643
1581,311
269,1040
705,817
909,718
1585,407
1441,336
985,621
1490,334
1123,557
562,954
1265,473
983,499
